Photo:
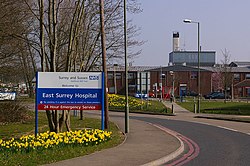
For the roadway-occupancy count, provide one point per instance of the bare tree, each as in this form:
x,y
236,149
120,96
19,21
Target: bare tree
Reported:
x,y
84,44
17,62
226,73
217,83
64,35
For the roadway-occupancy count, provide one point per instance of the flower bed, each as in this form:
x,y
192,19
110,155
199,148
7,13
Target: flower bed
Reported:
x,y
118,101
51,139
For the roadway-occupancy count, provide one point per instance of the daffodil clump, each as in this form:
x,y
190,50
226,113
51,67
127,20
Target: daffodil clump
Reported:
x,y
119,101
51,139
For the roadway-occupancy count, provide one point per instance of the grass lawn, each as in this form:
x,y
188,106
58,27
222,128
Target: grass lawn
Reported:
x,y
220,107
55,154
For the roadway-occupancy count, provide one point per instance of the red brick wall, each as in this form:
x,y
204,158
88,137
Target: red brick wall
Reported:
x,y
183,77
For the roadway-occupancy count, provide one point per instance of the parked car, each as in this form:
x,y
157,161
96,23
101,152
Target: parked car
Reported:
x,y
141,95
207,96
151,94
7,96
215,95
191,93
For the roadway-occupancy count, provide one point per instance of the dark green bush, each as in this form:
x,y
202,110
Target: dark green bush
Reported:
x,y
13,111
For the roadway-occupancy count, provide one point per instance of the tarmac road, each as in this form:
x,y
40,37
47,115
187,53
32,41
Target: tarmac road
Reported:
x,y
218,146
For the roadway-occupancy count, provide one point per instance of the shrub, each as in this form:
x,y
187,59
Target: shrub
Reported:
x,y
13,111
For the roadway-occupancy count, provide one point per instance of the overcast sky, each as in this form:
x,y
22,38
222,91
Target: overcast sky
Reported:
x,y
224,24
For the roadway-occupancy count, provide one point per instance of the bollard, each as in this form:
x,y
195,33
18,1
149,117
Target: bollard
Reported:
x,y
195,110
172,108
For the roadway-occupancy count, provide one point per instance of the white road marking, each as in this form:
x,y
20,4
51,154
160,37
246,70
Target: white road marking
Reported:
x,y
221,127
228,128
202,123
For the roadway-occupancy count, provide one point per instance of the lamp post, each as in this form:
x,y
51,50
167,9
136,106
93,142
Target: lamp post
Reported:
x,y
161,83
163,76
199,80
126,69
172,93
104,66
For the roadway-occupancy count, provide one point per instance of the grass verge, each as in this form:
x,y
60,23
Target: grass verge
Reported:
x,y
220,107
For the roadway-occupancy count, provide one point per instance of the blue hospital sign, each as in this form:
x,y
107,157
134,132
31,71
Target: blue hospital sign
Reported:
x,y
69,91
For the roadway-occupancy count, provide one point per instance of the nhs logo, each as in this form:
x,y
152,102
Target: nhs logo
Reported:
x,y
93,77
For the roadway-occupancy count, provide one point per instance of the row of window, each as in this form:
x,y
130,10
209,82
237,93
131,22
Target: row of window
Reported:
x,y
143,80
143,75
237,76
118,75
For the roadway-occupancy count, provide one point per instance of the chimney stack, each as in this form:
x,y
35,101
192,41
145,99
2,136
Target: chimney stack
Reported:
x,y
176,43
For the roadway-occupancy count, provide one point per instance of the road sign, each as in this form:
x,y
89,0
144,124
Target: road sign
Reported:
x,y
69,91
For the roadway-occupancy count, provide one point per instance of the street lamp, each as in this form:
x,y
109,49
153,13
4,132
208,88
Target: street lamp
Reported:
x,y
163,84
104,65
173,79
199,80
126,68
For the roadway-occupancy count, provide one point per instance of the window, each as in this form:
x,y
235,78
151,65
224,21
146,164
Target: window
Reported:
x,y
110,76
143,81
118,75
193,75
237,76
248,92
131,75
143,75
240,92
247,76
111,89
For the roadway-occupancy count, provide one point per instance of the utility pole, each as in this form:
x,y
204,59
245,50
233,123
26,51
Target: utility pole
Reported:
x,y
126,70
104,67
199,70
161,83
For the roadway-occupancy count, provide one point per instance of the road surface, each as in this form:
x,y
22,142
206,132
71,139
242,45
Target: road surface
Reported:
x,y
217,146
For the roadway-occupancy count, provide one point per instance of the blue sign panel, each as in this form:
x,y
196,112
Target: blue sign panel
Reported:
x,y
63,88
69,96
